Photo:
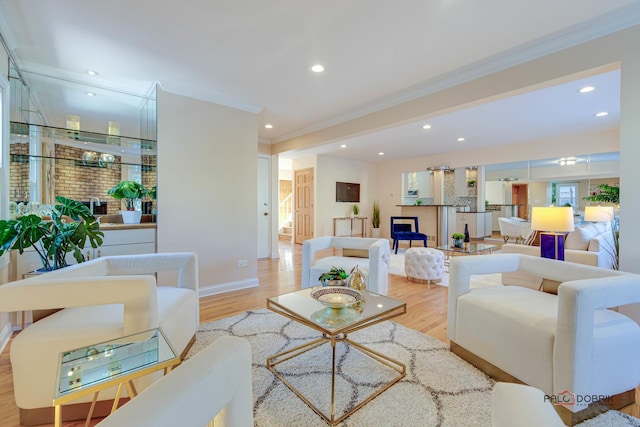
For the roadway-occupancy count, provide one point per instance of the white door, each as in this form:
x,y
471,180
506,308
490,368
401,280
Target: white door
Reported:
x,y
264,208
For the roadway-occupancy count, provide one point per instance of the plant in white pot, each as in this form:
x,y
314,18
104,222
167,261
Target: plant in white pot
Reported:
x,y
375,220
130,192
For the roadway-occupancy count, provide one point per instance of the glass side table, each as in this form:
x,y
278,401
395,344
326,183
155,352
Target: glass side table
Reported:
x,y
91,369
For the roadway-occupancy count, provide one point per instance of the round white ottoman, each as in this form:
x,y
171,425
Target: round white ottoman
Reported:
x,y
424,265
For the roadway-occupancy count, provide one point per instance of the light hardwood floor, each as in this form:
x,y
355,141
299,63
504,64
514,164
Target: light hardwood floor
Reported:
x,y
426,312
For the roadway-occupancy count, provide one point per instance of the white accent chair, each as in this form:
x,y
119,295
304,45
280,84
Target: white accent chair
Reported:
x,y
514,228
517,405
214,385
102,299
375,266
570,341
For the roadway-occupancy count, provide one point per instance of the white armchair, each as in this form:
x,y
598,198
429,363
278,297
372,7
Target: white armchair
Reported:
x,y
371,256
514,228
572,341
102,299
215,384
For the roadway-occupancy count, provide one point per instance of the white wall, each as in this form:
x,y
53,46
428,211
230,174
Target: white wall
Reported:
x,y
207,160
330,170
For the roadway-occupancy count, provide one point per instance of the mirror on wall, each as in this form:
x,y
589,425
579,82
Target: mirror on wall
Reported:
x,y
417,188
77,141
512,189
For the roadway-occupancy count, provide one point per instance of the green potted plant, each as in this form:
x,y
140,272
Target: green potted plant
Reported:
x,y
458,239
53,239
355,210
129,192
334,277
375,220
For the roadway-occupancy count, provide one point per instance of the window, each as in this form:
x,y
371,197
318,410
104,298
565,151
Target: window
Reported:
x,y
567,195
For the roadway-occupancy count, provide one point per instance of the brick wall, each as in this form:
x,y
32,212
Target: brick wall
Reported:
x,y
19,172
79,182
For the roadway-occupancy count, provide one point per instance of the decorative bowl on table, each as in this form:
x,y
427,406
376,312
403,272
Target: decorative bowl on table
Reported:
x,y
337,296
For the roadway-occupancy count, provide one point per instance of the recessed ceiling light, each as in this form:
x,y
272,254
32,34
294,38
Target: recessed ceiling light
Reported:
x,y
268,126
90,94
426,127
381,154
317,68
343,146
601,114
92,73
587,89
460,139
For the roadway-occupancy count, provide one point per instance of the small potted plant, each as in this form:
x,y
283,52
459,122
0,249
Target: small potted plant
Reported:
x,y
471,183
375,220
355,210
334,277
130,192
458,239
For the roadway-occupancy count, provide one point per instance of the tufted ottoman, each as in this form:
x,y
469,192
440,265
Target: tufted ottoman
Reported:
x,y
424,265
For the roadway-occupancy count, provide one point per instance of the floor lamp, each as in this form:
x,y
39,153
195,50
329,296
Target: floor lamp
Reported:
x,y
553,223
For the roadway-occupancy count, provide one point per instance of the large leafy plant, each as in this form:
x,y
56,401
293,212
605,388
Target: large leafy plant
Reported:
x,y
608,194
129,191
71,226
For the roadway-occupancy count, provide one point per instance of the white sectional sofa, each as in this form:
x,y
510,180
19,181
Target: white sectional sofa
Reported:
x,y
102,299
589,244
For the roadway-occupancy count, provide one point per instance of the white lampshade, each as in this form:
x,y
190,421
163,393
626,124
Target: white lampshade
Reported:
x,y
552,219
598,213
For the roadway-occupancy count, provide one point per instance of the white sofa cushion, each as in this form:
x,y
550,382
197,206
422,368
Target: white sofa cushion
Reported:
x,y
580,237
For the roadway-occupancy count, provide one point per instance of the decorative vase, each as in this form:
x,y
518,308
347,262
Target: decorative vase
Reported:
x,y
131,217
457,243
357,281
375,232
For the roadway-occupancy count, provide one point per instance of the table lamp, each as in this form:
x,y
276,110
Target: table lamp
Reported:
x,y
552,222
598,213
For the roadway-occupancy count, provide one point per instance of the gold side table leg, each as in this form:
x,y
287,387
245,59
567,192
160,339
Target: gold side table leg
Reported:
x,y
333,381
116,399
58,416
131,389
91,409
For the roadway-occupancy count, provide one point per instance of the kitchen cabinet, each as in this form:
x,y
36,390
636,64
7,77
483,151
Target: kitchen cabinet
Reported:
x,y
479,223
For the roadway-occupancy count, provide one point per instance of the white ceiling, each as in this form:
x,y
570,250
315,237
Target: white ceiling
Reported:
x,y
256,56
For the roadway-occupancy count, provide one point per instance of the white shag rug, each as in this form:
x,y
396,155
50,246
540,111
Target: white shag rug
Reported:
x,y
440,389
396,267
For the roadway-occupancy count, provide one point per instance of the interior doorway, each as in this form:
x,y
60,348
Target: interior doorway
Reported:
x,y
303,202
520,198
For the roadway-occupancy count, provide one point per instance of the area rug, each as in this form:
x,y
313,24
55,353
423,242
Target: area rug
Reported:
x,y
440,389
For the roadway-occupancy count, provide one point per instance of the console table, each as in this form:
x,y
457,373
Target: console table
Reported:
x,y
350,226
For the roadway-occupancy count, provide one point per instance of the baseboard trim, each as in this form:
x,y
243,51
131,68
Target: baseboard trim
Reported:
x,y
228,287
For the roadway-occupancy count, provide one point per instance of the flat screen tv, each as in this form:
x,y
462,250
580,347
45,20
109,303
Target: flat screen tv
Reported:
x,y
347,192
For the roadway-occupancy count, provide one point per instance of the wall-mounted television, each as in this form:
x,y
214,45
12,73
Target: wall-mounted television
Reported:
x,y
347,192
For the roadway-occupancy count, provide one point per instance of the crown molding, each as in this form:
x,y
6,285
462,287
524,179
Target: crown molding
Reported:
x,y
209,96
601,26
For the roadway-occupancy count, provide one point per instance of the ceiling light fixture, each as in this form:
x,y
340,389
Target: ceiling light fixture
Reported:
x,y
92,73
460,139
587,89
268,126
508,179
601,114
343,146
317,68
426,127
381,154
90,94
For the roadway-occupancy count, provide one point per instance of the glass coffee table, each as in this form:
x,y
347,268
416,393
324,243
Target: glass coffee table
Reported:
x,y
88,370
468,249
334,325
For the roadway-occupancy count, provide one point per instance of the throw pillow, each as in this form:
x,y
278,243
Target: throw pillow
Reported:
x,y
580,237
533,239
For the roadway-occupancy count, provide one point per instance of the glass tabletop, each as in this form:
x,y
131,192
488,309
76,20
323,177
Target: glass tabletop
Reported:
x,y
301,306
98,363
469,249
